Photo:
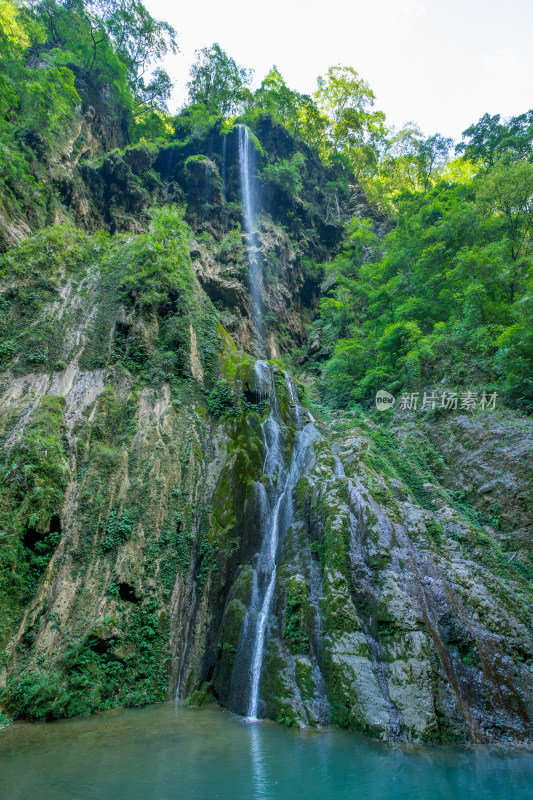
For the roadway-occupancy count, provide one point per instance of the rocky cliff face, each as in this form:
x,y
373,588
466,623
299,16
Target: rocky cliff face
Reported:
x,y
96,127
393,616
136,468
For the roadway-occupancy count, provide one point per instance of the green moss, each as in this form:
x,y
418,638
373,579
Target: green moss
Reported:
x,y
338,613
304,678
276,688
345,706
282,394
336,536
236,484
206,550
434,530
236,365
296,603
389,457
229,636
301,492
202,696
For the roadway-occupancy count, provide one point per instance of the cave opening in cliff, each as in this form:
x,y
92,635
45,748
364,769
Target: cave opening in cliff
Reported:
x,y
251,395
127,593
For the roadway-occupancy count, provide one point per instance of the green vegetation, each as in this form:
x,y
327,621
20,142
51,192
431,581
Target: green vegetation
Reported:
x,y
49,48
118,529
445,296
33,274
295,623
222,401
132,488
202,696
92,674
150,273
34,479
158,264
285,174
217,82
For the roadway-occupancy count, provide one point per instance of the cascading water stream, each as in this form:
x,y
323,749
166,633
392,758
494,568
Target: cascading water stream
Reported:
x,y
274,499
207,195
276,505
249,207
293,394
224,181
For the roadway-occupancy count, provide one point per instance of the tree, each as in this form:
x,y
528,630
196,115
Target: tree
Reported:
x,y
485,137
118,38
432,154
348,100
275,96
409,162
399,167
36,98
313,125
218,82
490,140
354,129
140,41
508,191
515,354
291,108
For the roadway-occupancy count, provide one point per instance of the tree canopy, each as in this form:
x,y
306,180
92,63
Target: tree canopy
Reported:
x,y
444,295
491,140
218,82
120,39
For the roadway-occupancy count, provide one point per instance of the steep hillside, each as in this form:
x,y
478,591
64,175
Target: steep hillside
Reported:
x,y
198,499
136,458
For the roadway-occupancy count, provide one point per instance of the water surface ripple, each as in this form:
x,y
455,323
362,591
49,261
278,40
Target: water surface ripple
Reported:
x,y
168,752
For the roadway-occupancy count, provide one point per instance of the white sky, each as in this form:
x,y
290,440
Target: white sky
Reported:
x,y
441,64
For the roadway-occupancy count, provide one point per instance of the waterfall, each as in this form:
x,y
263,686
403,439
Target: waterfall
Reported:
x,y
224,180
207,195
274,495
293,394
247,170
275,503
206,205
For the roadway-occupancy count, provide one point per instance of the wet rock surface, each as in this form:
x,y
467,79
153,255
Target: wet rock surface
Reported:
x,y
397,619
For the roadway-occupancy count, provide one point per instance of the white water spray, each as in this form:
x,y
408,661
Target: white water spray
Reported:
x,y
249,207
276,520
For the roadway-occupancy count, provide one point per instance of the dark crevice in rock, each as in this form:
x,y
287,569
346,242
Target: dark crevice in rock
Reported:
x,y
99,646
251,395
32,537
127,593
55,524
